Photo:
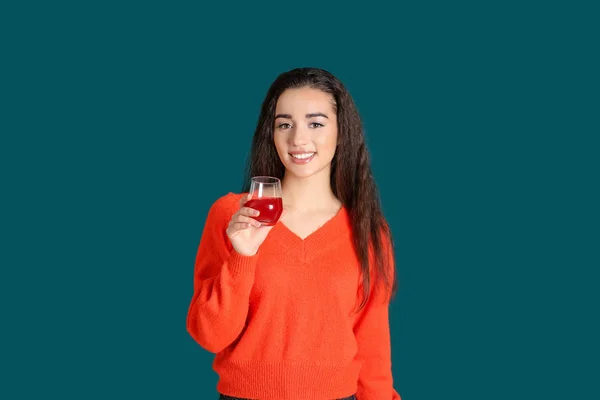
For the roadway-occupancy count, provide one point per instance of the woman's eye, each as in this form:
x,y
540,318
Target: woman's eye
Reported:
x,y
285,125
315,125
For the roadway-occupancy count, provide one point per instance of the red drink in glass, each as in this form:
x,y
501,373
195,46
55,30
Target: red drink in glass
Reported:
x,y
270,209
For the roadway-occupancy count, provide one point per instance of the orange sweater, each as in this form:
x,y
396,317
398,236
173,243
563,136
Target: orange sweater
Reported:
x,y
283,323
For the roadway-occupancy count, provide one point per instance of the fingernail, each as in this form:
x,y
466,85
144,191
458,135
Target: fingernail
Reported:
x,y
256,212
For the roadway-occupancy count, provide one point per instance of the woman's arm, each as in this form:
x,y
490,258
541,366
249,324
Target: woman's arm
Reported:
x,y
223,280
372,332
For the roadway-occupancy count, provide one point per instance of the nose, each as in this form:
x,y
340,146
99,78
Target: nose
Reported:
x,y
300,136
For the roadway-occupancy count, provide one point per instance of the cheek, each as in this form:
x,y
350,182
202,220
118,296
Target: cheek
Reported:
x,y
280,147
328,142
278,143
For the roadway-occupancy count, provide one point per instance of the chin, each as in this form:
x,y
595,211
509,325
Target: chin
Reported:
x,y
298,172
301,174
303,171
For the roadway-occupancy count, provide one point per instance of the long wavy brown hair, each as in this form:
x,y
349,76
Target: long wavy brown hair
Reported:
x,y
351,176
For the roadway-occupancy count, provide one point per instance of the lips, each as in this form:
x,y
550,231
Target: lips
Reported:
x,y
302,157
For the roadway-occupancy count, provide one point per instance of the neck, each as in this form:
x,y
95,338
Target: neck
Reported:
x,y
306,194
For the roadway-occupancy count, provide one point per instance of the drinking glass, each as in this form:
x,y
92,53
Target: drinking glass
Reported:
x,y
266,198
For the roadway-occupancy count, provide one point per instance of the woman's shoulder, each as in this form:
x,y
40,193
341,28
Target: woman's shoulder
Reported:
x,y
227,204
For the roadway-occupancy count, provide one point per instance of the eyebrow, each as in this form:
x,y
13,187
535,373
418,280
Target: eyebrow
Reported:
x,y
311,115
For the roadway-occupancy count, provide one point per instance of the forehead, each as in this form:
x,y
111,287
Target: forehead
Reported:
x,y
303,101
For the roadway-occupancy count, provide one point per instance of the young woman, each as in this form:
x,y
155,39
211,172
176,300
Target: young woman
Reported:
x,y
299,310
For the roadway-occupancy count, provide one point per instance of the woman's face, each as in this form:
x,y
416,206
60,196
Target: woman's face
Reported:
x,y
305,131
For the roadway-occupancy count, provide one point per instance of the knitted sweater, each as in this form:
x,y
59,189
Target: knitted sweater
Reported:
x,y
284,322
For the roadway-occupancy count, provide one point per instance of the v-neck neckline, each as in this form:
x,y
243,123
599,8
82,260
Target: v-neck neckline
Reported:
x,y
322,233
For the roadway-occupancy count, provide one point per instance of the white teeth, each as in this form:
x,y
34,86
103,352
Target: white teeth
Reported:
x,y
303,156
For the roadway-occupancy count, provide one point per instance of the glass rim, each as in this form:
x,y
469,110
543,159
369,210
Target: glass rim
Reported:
x,y
265,179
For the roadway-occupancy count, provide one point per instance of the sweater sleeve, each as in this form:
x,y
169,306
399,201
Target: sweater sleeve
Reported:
x,y
223,280
372,332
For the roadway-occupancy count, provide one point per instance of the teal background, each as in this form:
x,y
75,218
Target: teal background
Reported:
x,y
123,121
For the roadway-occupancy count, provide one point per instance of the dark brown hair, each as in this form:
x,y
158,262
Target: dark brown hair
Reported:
x,y
351,177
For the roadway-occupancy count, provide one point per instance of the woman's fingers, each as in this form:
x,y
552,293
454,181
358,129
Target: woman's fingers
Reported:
x,y
249,212
235,227
238,226
243,218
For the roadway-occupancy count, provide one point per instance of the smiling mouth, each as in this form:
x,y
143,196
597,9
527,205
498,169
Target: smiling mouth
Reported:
x,y
303,156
